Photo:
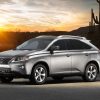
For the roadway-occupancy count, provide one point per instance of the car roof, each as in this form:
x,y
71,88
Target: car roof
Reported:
x,y
61,37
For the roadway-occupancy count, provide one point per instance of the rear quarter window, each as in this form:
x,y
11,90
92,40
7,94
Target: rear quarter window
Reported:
x,y
78,45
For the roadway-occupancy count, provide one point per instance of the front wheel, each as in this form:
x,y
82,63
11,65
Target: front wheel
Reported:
x,y
91,72
39,74
6,79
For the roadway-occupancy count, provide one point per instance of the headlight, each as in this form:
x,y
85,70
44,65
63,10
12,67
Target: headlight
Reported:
x,y
15,59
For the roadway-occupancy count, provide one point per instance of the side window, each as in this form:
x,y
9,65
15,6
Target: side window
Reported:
x,y
61,44
77,45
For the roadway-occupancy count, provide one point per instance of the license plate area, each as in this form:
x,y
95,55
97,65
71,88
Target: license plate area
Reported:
x,y
5,69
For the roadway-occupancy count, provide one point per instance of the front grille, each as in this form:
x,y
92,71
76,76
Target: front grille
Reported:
x,y
4,60
5,70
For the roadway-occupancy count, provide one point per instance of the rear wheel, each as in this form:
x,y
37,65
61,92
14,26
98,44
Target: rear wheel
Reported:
x,y
6,79
39,74
91,72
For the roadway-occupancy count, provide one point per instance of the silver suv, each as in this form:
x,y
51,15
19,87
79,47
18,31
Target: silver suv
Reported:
x,y
51,56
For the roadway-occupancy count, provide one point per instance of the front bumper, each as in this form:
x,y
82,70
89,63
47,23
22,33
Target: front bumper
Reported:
x,y
14,69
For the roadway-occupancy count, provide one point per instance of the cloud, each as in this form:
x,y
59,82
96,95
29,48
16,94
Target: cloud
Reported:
x,y
47,13
5,1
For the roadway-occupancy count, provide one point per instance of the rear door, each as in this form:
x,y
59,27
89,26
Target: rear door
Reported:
x,y
79,52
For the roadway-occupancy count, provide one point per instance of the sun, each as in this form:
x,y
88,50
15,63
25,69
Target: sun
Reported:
x,y
3,22
1,28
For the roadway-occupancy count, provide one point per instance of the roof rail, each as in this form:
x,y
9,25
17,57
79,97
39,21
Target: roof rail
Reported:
x,y
42,36
71,36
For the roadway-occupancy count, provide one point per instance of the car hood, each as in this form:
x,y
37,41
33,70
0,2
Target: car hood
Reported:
x,y
12,53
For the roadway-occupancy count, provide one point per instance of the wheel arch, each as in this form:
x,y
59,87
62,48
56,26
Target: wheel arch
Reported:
x,y
45,64
94,62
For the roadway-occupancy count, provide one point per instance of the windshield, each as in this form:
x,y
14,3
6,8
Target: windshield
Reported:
x,y
34,44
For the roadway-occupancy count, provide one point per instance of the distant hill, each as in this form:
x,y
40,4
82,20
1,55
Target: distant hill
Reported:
x,y
10,40
82,31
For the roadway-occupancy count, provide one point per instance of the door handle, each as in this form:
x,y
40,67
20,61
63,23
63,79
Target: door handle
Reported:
x,y
68,55
86,54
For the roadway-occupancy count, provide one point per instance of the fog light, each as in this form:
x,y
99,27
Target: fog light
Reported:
x,y
21,67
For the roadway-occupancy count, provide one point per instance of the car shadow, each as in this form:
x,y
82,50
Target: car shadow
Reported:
x,y
49,81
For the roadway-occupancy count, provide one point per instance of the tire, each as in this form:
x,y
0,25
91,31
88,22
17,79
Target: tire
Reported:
x,y
90,73
39,74
6,79
58,78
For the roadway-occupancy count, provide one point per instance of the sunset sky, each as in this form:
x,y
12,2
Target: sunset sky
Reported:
x,y
45,15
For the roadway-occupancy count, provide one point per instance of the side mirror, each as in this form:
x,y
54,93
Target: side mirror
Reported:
x,y
53,48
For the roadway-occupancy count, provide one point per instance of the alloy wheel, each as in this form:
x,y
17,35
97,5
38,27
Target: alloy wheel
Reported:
x,y
40,74
92,72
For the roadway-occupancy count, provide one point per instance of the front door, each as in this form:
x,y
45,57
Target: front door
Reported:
x,y
60,59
